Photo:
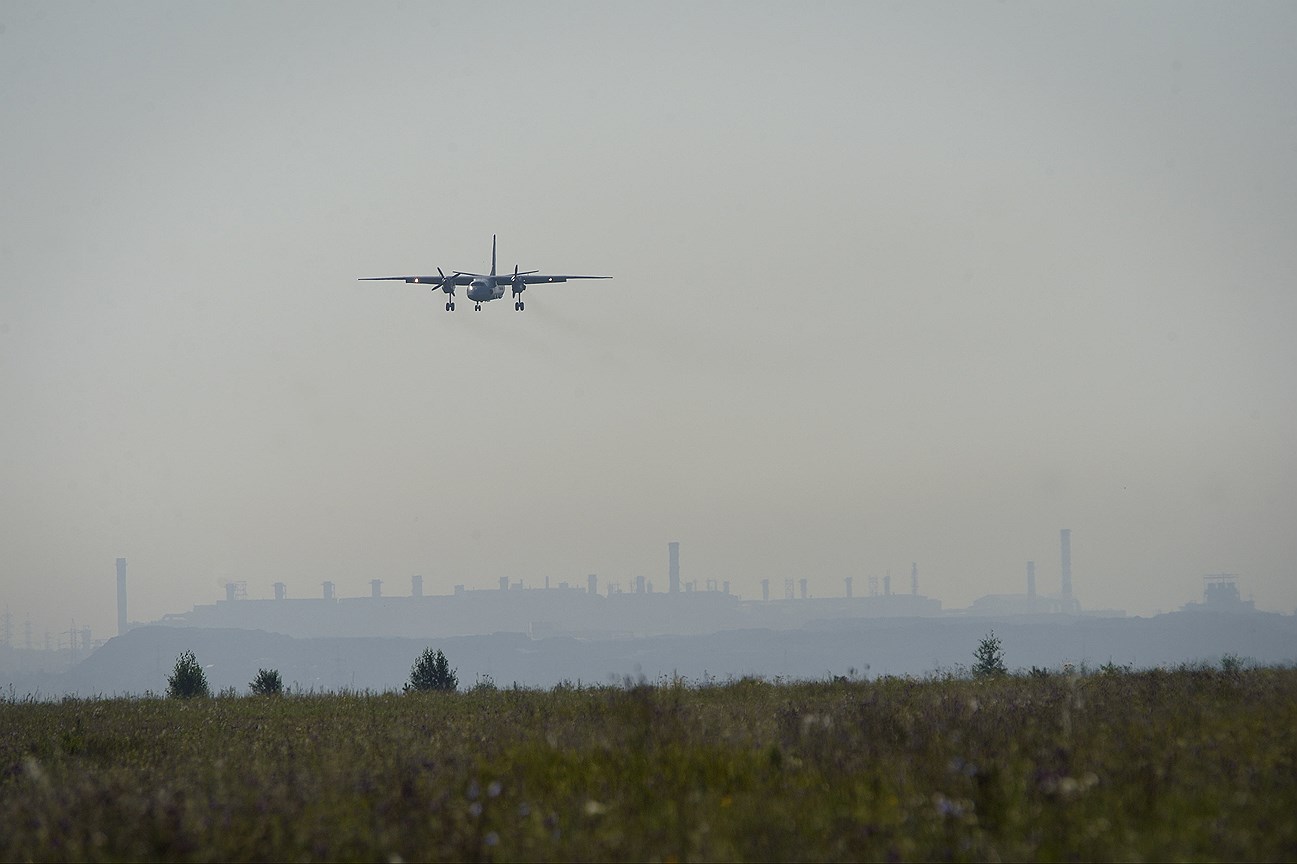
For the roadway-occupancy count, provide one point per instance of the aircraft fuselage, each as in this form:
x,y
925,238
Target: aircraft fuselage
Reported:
x,y
485,289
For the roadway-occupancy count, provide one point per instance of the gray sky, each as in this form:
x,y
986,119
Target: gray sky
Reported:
x,y
893,283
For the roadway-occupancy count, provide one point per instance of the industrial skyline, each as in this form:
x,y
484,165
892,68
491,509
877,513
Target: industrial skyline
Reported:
x,y
600,628
79,639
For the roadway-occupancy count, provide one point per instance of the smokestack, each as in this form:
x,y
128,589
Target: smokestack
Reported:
x,y
765,590
673,558
1065,541
280,590
328,590
848,581
1031,580
416,586
376,587
914,579
592,584
121,596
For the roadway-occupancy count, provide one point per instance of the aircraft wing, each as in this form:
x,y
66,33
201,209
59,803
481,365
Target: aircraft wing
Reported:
x,y
540,278
457,279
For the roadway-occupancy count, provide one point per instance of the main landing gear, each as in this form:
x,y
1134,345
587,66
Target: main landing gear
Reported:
x,y
450,306
517,306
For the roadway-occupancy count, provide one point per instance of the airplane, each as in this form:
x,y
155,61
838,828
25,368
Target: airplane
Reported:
x,y
482,287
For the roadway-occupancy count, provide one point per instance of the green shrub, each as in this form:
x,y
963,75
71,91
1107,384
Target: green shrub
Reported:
x,y
989,657
267,683
431,671
188,678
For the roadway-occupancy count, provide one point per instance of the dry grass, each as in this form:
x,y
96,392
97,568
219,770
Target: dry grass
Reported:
x,y
1184,764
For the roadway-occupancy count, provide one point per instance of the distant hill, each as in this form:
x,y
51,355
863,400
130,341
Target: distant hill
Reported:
x,y
141,660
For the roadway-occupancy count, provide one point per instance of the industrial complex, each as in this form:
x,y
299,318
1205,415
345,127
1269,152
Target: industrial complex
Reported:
x,y
588,610
584,610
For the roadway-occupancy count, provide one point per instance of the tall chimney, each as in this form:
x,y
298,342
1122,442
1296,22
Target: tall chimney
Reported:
x,y
673,558
416,586
1031,580
1065,541
914,578
121,596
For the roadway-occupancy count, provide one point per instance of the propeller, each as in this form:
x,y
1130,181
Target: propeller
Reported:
x,y
518,284
448,282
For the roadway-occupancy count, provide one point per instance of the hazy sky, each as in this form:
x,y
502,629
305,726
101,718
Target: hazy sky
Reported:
x,y
892,283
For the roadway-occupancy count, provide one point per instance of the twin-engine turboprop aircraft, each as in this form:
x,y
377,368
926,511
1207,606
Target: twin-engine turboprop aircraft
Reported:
x,y
482,287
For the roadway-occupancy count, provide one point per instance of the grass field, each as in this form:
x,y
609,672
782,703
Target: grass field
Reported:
x,y
1191,764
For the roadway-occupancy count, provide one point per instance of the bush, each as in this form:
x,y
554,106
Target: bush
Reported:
x,y
989,657
432,672
188,678
267,683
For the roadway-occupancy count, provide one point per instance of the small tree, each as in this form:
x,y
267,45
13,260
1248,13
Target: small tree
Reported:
x,y
989,657
267,683
188,678
432,672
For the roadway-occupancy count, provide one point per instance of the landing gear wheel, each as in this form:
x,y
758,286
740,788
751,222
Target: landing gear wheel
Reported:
x,y
449,307
477,307
521,306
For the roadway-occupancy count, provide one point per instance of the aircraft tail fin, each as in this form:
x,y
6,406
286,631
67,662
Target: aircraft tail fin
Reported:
x,y
492,254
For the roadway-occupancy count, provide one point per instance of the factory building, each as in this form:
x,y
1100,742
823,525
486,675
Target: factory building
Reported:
x,y
692,607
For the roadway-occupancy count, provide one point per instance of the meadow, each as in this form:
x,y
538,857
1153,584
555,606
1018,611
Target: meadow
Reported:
x,y
1187,764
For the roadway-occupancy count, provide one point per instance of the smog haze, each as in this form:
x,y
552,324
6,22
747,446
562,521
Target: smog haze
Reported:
x,y
891,283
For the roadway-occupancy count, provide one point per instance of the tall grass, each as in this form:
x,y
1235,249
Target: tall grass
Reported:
x,y
1186,764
